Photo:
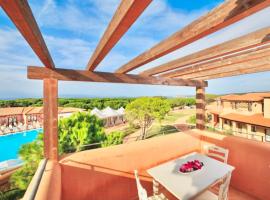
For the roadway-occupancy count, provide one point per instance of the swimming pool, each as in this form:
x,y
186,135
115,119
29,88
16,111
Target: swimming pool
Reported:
x,y
10,144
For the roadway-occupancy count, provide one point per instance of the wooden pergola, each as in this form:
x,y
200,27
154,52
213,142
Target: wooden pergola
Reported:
x,y
246,54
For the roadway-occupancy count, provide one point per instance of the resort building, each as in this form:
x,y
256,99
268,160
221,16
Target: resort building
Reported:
x,y
246,115
14,119
64,112
109,116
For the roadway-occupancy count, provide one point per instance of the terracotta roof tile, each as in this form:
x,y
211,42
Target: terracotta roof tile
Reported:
x,y
35,110
32,110
256,119
213,109
69,109
11,111
246,97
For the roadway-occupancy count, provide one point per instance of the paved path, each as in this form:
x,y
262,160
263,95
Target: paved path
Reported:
x,y
119,127
132,137
181,123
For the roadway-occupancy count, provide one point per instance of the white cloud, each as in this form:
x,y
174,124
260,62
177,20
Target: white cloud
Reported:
x,y
159,16
106,7
69,53
259,82
14,49
245,26
66,52
157,22
88,19
124,51
14,83
72,31
71,89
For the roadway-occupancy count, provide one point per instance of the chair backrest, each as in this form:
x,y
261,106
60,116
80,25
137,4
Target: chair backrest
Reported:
x,y
224,188
218,153
141,191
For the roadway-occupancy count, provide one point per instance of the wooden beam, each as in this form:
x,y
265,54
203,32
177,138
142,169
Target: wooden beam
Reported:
x,y
233,72
229,12
200,108
264,59
230,61
40,73
125,15
50,126
21,15
239,44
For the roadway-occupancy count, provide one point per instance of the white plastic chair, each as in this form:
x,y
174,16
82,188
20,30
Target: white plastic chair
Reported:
x,y
142,192
218,153
222,194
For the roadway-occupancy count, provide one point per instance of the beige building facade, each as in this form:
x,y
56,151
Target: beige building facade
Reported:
x,y
245,115
16,119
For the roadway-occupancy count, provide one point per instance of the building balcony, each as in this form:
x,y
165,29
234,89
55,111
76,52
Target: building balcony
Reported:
x,y
107,173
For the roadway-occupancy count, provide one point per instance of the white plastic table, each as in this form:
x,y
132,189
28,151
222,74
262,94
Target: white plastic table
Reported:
x,y
186,186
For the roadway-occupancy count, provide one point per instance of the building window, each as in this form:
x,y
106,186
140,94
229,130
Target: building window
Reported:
x,y
10,120
249,107
210,117
239,126
253,129
242,106
267,135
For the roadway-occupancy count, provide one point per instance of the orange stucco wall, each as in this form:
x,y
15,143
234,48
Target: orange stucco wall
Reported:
x,y
251,160
108,173
50,185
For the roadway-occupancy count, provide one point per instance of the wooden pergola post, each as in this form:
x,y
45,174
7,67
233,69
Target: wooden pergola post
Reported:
x,y
50,122
200,108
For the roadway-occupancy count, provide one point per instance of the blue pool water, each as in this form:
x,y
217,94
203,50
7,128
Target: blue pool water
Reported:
x,y
10,144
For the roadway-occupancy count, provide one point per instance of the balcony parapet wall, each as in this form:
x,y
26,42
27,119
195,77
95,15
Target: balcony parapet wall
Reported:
x,y
251,160
107,173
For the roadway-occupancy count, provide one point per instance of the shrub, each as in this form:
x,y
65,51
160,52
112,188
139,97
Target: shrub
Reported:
x,y
114,138
143,111
78,130
180,102
31,154
192,119
13,194
74,132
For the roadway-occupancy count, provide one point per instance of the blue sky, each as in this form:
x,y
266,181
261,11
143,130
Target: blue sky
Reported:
x,y
72,29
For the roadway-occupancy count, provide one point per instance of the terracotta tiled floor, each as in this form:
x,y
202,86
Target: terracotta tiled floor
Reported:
x,y
233,194
236,195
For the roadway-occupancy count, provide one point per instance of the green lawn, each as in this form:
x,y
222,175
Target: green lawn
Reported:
x,y
166,125
158,129
161,128
129,130
172,117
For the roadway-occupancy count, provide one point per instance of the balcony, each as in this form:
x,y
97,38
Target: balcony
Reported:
x,y
107,173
